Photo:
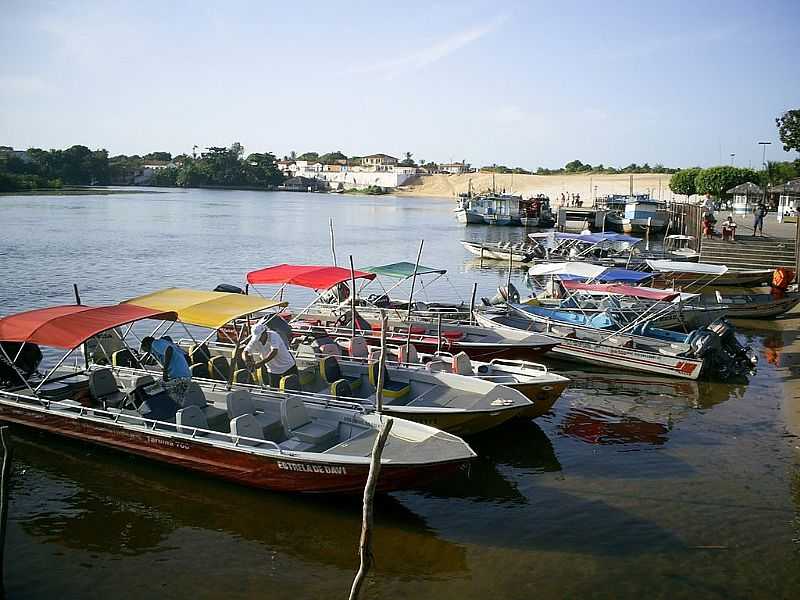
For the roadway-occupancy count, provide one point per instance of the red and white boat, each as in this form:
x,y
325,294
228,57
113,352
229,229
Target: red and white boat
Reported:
x,y
477,342
281,442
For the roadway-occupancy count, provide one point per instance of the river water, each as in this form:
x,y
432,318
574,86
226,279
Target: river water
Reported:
x,y
632,487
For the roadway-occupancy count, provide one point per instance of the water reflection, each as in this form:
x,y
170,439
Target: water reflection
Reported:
x,y
131,507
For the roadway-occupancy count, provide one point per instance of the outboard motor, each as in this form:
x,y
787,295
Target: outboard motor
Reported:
x,y
737,359
227,287
505,296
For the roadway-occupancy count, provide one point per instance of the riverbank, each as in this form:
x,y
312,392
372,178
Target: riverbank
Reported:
x,y
80,191
588,186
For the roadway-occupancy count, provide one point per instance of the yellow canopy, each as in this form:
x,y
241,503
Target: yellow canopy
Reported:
x,y
205,309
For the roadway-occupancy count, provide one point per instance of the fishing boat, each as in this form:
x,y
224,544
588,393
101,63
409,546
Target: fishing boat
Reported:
x,y
504,210
449,401
420,277
517,252
755,306
670,273
477,342
613,249
600,340
627,303
637,214
279,443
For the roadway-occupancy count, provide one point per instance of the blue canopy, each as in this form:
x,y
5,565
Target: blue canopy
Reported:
x,y
597,321
612,275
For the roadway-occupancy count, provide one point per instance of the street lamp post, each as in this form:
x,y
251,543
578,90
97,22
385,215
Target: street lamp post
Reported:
x,y
732,157
764,162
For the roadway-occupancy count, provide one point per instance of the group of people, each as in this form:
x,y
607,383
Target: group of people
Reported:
x,y
729,225
567,199
265,348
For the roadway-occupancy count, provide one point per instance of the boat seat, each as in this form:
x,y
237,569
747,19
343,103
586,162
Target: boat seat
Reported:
x,y
461,364
357,347
452,335
240,402
298,424
200,369
330,349
242,376
124,358
341,389
330,371
190,417
104,389
219,368
391,389
564,332
199,353
406,356
290,383
437,364
375,354
247,426
194,396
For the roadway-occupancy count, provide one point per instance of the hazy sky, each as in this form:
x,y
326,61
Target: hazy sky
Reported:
x,y
520,83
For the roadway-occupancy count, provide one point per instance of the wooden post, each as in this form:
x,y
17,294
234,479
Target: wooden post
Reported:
x,y
333,242
5,479
365,545
352,298
472,303
382,365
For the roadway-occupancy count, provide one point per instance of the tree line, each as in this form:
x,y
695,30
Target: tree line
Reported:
x,y
579,167
718,180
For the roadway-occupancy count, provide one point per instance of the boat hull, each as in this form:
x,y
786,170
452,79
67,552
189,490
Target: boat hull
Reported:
x,y
542,395
459,423
468,217
284,473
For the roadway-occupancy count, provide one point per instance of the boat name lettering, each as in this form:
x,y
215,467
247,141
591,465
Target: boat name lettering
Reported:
x,y
169,443
327,469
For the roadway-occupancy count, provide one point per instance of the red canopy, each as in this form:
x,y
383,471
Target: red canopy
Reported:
x,y
67,326
314,277
625,290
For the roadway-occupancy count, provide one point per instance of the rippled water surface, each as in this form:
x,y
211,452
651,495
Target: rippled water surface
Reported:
x,y
632,487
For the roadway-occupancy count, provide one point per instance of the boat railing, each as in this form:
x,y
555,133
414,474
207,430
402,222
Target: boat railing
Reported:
x,y
521,364
123,420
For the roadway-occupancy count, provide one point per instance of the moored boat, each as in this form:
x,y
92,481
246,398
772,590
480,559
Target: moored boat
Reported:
x,y
282,444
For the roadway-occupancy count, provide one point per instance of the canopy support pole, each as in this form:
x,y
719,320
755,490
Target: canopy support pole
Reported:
x,y
333,243
381,365
352,298
472,303
411,296
17,370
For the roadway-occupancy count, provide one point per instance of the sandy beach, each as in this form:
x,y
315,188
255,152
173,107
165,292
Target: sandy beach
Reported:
x,y
588,186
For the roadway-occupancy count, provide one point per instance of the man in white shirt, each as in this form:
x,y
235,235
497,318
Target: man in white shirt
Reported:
x,y
267,348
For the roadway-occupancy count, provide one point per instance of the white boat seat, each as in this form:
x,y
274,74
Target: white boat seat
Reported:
x,y
247,426
298,424
357,347
240,402
437,364
104,389
462,365
189,418
330,350
410,356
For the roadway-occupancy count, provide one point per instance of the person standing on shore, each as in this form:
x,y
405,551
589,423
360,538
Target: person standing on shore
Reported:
x,y
759,212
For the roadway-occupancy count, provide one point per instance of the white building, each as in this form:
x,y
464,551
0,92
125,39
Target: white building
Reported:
x,y
456,168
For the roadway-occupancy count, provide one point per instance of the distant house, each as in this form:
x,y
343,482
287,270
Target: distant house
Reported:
x,y
788,199
746,196
456,168
379,160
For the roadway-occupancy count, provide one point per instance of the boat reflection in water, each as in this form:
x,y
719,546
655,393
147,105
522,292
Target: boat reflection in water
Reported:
x,y
630,408
103,502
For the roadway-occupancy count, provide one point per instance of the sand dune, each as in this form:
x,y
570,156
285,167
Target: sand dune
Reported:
x,y
588,186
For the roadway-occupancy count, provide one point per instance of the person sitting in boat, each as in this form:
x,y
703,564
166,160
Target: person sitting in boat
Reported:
x,y
729,229
176,373
267,348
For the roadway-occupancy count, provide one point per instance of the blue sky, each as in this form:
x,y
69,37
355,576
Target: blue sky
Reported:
x,y
525,83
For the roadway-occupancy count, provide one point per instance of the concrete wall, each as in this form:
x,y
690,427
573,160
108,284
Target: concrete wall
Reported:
x,y
359,180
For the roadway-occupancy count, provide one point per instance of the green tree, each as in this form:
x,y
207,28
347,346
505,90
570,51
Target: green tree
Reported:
x,y
309,156
789,130
331,157
718,180
161,156
408,161
575,166
683,182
